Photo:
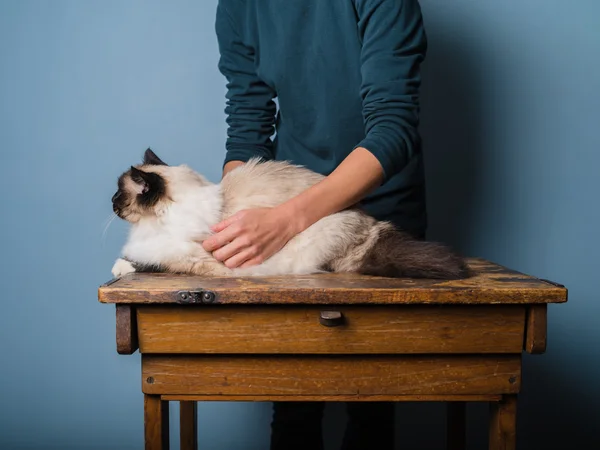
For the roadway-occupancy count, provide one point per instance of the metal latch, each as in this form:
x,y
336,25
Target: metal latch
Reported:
x,y
194,297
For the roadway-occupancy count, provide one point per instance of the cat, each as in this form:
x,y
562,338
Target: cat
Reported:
x,y
171,210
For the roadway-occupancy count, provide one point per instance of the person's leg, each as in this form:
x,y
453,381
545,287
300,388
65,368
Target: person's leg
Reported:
x,y
370,426
297,426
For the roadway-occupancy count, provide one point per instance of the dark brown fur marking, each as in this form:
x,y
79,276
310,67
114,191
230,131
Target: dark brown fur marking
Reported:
x,y
154,187
397,255
150,158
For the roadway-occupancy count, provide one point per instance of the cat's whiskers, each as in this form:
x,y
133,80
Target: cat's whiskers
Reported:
x,y
108,221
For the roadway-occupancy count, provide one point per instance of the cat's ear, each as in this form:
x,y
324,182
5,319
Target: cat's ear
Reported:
x,y
142,179
150,158
139,176
150,185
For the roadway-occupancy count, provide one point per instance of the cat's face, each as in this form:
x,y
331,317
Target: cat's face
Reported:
x,y
148,189
141,189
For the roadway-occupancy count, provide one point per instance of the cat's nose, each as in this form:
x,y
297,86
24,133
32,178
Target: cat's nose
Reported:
x,y
116,196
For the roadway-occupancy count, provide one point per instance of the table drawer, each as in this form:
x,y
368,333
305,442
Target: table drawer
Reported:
x,y
276,329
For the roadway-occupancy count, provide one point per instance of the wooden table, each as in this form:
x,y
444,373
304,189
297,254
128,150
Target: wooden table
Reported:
x,y
332,337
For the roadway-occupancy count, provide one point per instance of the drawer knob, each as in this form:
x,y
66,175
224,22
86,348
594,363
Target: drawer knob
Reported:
x,y
331,318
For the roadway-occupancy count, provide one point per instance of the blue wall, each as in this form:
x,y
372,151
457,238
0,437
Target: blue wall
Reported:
x,y
511,120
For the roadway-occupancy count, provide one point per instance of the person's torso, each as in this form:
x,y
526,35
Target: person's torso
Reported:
x,y
308,51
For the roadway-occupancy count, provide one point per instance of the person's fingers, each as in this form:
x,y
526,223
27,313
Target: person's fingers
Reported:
x,y
252,262
231,249
221,239
225,223
240,259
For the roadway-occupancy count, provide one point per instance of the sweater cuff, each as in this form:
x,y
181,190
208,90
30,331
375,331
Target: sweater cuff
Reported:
x,y
245,154
389,159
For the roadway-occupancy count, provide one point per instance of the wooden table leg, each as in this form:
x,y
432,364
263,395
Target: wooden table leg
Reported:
x,y
456,426
503,423
188,425
156,423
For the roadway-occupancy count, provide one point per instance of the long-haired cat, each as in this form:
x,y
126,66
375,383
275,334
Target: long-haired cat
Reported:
x,y
171,210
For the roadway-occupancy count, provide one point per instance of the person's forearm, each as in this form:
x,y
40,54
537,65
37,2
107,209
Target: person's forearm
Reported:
x,y
355,177
230,166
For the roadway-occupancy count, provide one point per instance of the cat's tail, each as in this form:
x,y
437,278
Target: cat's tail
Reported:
x,y
396,254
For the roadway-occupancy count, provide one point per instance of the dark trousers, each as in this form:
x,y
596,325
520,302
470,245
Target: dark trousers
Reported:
x,y
297,426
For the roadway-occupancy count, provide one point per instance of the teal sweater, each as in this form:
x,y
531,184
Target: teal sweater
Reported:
x,y
345,73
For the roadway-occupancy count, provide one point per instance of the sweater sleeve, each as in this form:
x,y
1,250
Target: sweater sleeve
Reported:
x,y
250,108
393,46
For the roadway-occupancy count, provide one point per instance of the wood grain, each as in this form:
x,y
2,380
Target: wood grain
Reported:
x,y
156,423
490,284
456,426
255,329
503,424
127,337
330,375
536,329
188,425
333,398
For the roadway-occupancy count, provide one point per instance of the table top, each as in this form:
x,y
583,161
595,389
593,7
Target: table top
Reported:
x,y
491,284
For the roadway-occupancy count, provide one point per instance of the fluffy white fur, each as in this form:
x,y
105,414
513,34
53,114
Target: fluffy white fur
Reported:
x,y
171,210
171,235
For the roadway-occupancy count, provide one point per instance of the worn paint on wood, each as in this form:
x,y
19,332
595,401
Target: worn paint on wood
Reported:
x,y
330,375
535,334
127,336
503,424
156,423
491,283
376,329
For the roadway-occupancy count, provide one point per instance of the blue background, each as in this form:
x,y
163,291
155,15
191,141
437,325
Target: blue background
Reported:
x,y
511,121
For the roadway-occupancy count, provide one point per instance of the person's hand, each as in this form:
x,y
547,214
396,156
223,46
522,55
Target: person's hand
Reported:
x,y
251,236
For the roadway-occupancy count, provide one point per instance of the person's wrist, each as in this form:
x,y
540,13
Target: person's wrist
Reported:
x,y
292,217
230,165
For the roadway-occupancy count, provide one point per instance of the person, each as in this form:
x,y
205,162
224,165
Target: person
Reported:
x,y
346,76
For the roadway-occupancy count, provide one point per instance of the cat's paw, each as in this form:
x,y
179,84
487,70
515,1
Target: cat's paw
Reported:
x,y
122,267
